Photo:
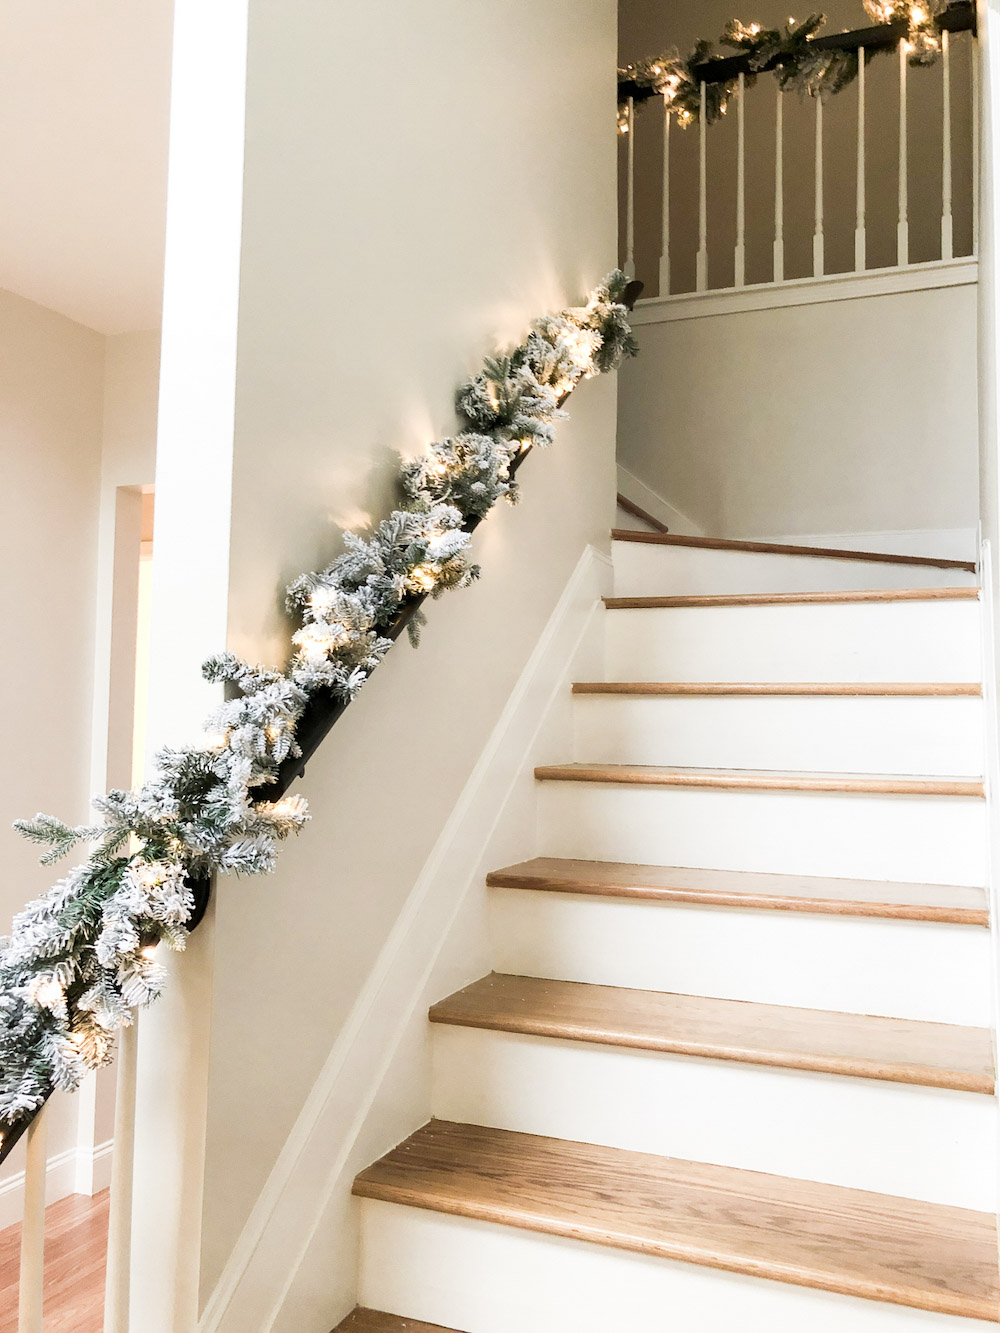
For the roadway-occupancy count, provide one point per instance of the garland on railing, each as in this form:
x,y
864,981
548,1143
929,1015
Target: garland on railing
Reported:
x,y
81,958
798,64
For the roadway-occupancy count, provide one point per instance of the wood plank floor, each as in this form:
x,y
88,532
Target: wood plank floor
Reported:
x,y
371,1321
850,1241
76,1235
898,1050
954,904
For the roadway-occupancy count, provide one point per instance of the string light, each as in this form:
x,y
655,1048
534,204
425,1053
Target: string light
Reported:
x,y
214,740
424,577
149,952
623,120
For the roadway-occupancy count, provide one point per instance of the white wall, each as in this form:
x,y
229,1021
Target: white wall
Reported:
x,y
50,446
841,416
388,242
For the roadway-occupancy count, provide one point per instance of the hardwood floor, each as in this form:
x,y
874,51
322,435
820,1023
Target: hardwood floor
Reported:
x,y
76,1234
370,1321
861,1244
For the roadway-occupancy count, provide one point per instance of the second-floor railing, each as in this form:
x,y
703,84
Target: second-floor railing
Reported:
x,y
783,187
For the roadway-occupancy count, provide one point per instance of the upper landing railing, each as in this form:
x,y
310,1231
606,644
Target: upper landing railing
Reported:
x,y
880,176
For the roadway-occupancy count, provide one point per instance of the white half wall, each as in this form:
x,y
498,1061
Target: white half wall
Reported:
x,y
844,405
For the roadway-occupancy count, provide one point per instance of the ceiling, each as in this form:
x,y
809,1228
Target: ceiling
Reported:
x,y
84,98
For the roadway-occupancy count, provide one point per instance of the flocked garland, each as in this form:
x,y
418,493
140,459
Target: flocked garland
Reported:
x,y
798,64
81,958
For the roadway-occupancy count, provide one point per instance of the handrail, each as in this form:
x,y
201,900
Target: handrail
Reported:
x,y
320,715
960,16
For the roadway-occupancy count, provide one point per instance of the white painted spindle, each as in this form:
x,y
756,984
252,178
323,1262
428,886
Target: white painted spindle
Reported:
x,y
701,276
31,1285
665,225
903,223
116,1292
740,262
779,188
947,227
860,237
630,194
818,256
975,56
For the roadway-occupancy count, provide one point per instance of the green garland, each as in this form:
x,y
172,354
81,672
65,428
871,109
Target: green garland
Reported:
x,y
797,63
81,958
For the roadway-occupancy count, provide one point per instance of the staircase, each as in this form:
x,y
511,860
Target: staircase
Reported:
x,y
734,1068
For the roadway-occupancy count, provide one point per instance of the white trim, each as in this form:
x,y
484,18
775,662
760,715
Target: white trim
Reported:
x,y
808,291
74,1171
316,1160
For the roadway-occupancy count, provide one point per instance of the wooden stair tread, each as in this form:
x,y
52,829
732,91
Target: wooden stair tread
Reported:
x,y
638,512
916,1254
775,548
897,1050
373,1321
650,775
955,904
970,594
697,689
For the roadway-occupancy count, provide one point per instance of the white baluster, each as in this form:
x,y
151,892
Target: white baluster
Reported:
x,y
740,260
116,1290
779,189
976,166
31,1285
860,236
630,194
701,278
818,256
665,229
903,224
947,226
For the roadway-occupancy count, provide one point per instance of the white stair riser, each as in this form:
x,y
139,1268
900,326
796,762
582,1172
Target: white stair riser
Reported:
x,y
854,734
901,969
643,570
486,1278
862,1133
838,641
913,839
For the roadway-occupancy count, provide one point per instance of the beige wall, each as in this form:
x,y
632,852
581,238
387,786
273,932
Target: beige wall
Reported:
x,y
647,27
387,242
50,446
835,417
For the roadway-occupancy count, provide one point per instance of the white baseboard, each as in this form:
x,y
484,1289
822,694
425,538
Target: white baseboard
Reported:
x,y
75,1171
374,1088
642,495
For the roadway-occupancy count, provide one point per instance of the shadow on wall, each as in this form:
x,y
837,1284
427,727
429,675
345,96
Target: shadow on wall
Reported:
x,y
650,26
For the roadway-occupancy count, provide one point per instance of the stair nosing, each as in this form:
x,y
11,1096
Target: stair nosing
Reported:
x,y
452,1012
652,775
519,877
792,689
707,601
783,548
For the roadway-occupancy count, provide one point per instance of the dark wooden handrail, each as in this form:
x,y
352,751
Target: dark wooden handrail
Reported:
x,y
960,16
320,715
